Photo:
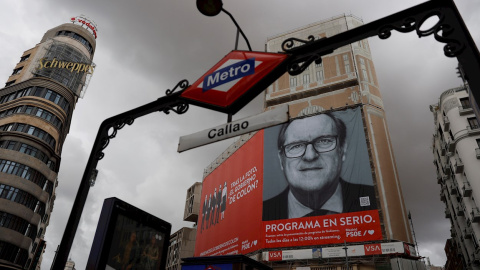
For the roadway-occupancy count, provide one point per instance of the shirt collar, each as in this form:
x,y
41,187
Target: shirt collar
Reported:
x,y
334,204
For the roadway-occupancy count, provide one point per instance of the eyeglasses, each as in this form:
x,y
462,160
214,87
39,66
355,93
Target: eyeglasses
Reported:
x,y
321,145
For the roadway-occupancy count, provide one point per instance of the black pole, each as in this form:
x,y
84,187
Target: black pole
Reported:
x,y
346,253
413,232
112,124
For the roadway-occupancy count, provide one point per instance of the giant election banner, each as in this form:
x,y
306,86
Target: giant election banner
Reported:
x,y
304,183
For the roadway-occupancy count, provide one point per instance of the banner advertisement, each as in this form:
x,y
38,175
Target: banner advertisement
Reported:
x,y
230,216
304,183
323,230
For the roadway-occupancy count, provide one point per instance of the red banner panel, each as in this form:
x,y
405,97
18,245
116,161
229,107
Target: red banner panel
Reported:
x,y
322,230
230,216
304,183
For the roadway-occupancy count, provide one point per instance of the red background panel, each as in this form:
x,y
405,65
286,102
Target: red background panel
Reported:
x,y
322,230
224,99
241,229
372,249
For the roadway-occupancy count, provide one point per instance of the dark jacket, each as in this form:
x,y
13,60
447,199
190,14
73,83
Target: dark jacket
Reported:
x,y
277,207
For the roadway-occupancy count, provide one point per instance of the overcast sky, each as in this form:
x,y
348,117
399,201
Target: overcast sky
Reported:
x,y
145,47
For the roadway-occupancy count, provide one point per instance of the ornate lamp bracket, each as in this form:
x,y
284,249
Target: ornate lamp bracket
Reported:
x,y
442,30
300,64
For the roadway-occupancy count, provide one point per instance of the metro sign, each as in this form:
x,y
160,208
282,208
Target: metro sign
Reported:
x,y
236,80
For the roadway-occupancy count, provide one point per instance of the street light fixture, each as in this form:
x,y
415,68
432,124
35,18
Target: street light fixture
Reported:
x,y
209,8
212,8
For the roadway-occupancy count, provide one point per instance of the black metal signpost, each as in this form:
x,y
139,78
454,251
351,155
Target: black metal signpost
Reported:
x,y
450,29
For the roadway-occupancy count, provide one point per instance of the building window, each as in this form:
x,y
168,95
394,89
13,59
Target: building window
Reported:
x,y
15,223
24,58
22,197
12,253
9,83
474,240
465,103
319,65
40,233
44,114
17,70
320,76
293,81
478,143
78,38
306,78
364,69
346,62
38,92
472,122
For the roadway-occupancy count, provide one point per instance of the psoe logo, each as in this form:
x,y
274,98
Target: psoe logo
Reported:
x,y
229,74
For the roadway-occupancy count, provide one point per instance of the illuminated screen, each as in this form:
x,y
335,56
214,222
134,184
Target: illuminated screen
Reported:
x,y
135,246
128,238
304,183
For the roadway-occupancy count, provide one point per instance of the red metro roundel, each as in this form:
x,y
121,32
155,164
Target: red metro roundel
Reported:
x,y
232,77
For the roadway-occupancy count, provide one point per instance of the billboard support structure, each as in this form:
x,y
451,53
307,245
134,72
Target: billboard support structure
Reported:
x,y
449,29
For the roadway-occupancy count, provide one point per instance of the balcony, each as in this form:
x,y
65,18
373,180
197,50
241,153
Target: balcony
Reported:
x,y
442,196
475,215
447,170
447,213
446,124
458,165
439,180
454,189
443,149
453,233
467,232
475,258
477,152
467,189
464,110
460,211
450,147
473,130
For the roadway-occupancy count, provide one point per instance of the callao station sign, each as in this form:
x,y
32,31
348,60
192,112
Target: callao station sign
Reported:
x,y
235,80
227,87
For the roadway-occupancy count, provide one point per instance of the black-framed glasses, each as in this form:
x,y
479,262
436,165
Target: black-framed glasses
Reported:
x,y
321,145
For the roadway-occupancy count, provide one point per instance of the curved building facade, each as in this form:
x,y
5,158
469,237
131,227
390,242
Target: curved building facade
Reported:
x,y
455,147
36,107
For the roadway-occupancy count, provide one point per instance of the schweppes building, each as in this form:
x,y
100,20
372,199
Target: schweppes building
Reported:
x,y
36,107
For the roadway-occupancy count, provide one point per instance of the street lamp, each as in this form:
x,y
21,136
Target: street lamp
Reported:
x,y
212,8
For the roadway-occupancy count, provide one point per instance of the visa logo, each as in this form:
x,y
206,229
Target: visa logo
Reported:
x,y
228,74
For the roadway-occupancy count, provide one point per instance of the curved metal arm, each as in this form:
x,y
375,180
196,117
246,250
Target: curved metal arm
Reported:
x,y
107,131
239,29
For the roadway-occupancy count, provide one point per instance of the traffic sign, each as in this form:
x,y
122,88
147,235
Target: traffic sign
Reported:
x,y
235,80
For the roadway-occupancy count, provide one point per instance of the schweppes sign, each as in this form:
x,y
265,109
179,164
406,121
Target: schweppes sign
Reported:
x,y
72,66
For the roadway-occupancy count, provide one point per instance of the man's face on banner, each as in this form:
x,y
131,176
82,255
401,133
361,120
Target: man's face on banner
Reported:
x,y
318,168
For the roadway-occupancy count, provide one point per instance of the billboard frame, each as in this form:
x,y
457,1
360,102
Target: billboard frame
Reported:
x,y
112,209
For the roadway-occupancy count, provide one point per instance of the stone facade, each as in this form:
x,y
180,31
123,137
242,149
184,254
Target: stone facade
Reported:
x,y
35,116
